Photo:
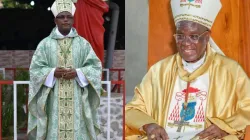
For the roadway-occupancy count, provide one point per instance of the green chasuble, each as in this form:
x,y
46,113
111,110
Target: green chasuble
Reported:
x,y
66,111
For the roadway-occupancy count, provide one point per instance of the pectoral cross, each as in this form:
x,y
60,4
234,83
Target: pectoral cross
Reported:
x,y
181,124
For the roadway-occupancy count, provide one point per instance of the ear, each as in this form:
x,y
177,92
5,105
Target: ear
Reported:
x,y
55,21
207,36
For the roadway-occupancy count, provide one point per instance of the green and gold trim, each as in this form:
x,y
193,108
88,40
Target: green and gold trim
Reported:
x,y
66,93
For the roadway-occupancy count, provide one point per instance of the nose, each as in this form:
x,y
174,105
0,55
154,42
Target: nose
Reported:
x,y
65,18
186,41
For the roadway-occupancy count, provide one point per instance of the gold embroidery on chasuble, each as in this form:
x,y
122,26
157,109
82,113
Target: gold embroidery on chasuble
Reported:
x,y
66,92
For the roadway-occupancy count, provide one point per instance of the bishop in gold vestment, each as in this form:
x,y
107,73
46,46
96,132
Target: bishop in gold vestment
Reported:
x,y
194,89
228,104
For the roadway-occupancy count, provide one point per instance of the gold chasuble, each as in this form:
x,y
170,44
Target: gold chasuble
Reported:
x,y
66,92
227,103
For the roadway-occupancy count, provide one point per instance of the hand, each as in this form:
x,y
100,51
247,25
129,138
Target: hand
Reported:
x,y
70,74
212,132
59,72
155,132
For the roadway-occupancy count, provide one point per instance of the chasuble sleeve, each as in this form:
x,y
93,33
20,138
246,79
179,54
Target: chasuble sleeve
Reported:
x,y
91,68
38,93
138,112
237,122
39,69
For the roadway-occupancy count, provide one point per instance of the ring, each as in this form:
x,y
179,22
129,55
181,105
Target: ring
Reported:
x,y
152,136
64,74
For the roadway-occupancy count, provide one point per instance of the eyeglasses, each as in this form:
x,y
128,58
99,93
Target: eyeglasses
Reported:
x,y
64,16
193,37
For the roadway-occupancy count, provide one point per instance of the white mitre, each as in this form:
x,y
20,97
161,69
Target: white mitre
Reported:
x,y
63,5
203,12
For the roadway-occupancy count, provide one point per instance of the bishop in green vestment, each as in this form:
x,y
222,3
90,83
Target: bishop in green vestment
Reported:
x,y
65,83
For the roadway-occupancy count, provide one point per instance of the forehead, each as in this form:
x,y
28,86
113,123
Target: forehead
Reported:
x,y
65,13
189,26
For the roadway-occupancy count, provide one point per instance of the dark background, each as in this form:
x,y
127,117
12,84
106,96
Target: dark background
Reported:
x,y
23,29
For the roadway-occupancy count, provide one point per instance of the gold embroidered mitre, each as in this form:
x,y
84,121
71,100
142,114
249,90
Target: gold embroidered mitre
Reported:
x,y
63,5
203,12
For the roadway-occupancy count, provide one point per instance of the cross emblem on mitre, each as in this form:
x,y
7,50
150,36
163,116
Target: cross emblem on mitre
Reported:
x,y
64,5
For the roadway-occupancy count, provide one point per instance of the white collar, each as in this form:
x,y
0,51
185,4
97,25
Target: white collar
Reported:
x,y
191,67
62,36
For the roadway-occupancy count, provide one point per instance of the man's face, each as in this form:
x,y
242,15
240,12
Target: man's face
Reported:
x,y
191,40
64,22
